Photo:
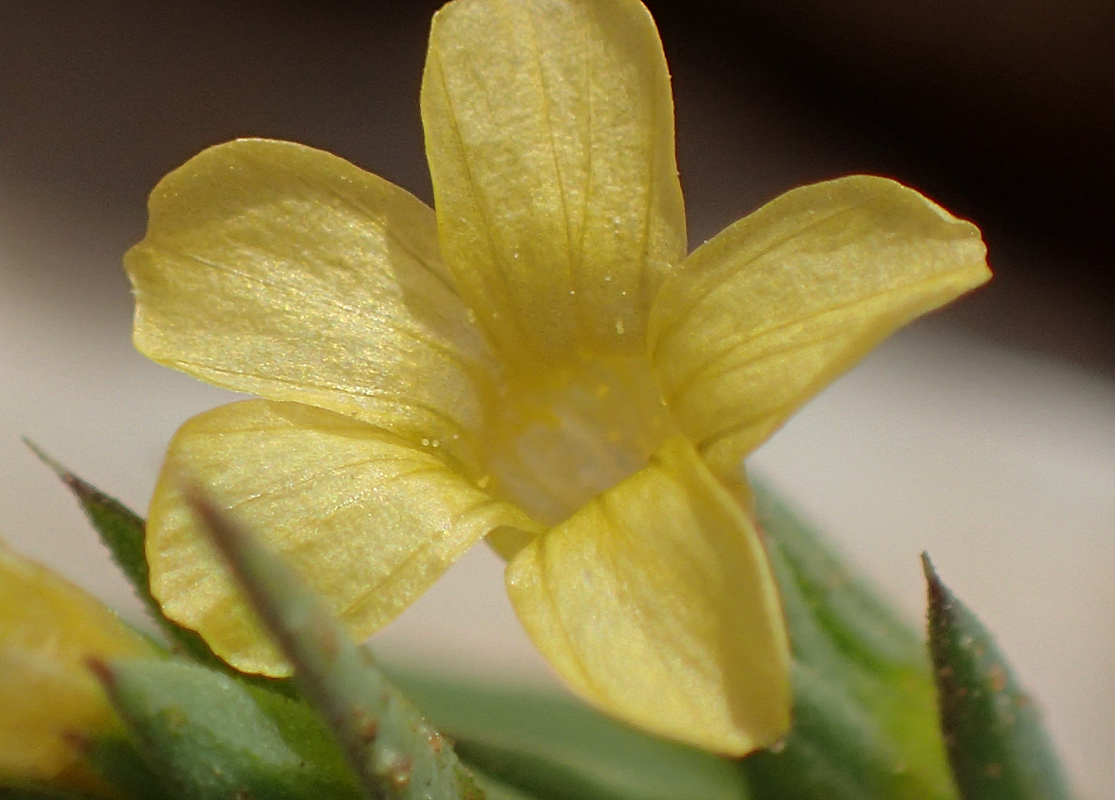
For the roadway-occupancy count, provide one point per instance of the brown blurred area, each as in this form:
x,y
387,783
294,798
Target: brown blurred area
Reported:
x,y
1002,111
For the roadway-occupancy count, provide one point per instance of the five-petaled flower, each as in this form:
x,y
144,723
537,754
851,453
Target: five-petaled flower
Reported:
x,y
48,696
537,362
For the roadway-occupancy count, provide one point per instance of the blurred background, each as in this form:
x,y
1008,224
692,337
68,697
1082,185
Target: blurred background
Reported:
x,y
985,434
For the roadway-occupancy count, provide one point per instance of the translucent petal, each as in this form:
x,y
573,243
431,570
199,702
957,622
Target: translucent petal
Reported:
x,y
48,629
656,603
549,131
279,270
559,438
368,520
761,317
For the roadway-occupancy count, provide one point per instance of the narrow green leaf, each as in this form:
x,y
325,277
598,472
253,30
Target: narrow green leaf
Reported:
x,y
393,750
122,532
210,737
554,748
993,732
120,529
864,716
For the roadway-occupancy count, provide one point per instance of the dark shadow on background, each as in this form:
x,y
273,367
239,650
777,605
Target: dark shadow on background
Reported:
x,y
1002,111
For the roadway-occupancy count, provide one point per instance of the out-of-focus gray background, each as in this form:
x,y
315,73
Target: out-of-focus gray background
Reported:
x,y
985,434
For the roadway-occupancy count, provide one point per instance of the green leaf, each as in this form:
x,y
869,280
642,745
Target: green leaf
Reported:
x,y
211,737
393,750
122,531
554,748
864,715
993,732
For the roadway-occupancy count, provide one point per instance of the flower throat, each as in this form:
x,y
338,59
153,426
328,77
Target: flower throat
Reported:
x,y
561,436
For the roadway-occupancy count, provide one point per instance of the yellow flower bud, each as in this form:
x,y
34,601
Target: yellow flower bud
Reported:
x,y
49,699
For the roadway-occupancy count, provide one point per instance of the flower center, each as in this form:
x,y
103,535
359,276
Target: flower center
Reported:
x,y
561,436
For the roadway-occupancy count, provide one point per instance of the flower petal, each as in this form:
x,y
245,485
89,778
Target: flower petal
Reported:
x,y
656,602
279,270
549,132
48,629
761,317
369,521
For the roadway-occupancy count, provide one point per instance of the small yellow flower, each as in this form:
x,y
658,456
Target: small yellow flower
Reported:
x,y
48,630
538,363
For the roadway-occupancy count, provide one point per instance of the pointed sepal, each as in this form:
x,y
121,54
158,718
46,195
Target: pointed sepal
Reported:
x,y
993,731
122,531
396,754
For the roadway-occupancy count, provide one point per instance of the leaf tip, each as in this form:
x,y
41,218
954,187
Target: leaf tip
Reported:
x,y
84,491
994,737
213,520
937,593
79,741
102,672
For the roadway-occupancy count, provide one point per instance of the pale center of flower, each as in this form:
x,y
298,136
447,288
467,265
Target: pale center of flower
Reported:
x,y
561,436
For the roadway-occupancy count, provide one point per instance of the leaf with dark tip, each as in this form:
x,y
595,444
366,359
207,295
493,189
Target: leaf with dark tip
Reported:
x,y
119,527
396,754
122,532
993,732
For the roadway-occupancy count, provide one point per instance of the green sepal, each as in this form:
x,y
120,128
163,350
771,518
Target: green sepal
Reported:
x,y
208,736
123,532
864,715
395,753
551,747
993,732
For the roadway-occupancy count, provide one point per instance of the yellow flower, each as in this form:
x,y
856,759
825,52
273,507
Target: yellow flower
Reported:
x,y
538,363
48,630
